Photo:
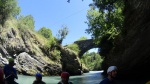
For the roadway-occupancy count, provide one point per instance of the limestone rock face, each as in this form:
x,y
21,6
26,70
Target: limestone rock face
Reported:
x,y
26,64
132,52
25,48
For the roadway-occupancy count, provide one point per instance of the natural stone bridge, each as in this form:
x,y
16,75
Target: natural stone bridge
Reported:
x,y
85,45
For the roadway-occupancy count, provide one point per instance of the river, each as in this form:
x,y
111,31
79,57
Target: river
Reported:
x,y
93,77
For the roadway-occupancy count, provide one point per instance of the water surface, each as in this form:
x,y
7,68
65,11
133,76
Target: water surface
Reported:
x,y
93,77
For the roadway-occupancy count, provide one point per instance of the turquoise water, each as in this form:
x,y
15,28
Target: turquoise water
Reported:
x,y
93,77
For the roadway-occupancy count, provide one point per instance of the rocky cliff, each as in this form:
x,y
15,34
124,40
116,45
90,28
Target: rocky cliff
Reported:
x,y
26,47
131,53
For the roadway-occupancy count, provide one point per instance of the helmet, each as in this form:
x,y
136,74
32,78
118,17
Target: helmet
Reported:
x,y
65,74
11,60
38,75
111,68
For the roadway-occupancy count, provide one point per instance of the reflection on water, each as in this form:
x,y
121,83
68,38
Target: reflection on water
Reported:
x,y
93,77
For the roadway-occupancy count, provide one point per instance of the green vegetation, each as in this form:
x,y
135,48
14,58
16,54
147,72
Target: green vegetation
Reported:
x,y
82,38
92,60
46,32
8,8
105,22
73,47
41,40
26,22
51,41
55,55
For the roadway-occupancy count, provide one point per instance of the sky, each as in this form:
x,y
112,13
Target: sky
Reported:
x,y
54,14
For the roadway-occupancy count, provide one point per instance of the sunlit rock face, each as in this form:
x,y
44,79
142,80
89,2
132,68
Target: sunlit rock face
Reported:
x,y
132,48
26,49
29,65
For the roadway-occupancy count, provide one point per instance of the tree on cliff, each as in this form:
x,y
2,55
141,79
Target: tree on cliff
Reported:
x,y
8,8
62,33
46,32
